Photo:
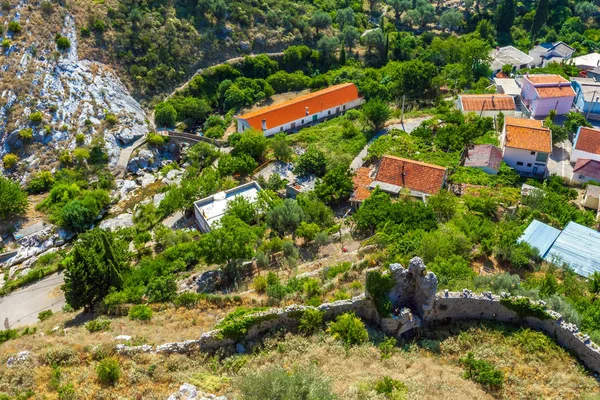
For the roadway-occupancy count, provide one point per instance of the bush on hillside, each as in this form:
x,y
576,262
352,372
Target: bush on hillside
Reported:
x,y
482,372
349,329
108,371
140,312
279,384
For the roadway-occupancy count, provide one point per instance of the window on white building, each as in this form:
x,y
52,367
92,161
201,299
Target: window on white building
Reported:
x,y
529,164
533,153
519,163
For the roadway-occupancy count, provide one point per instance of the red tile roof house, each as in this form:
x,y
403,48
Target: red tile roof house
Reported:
x,y
487,105
586,155
301,111
485,157
526,146
396,174
542,93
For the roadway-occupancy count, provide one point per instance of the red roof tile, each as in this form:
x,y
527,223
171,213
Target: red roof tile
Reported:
x,y
487,102
589,168
362,179
541,79
411,174
527,134
294,109
484,155
556,91
588,140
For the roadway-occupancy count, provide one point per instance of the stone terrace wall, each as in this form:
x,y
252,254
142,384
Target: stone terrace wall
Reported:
x,y
465,305
283,319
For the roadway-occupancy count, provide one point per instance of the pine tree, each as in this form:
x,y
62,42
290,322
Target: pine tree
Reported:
x,y
541,14
94,266
505,16
342,55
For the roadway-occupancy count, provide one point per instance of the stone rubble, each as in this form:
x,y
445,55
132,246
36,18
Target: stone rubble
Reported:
x,y
83,92
189,392
19,358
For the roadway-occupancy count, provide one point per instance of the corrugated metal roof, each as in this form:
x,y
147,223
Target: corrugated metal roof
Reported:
x,y
579,247
540,236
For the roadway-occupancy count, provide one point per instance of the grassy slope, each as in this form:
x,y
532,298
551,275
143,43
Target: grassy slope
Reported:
x,y
535,366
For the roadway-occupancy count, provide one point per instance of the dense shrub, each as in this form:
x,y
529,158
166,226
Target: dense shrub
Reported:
x,y
482,372
349,329
140,312
279,384
62,42
108,371
97,325
378,285
8,334
36,117
524,307
10,160
391,388
311,321
13,200
14,26
40,182
44,315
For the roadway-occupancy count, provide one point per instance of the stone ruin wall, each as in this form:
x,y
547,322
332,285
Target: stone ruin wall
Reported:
x,y
417,305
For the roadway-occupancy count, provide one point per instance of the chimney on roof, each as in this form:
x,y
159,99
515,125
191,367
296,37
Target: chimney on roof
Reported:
x,y
306,110
264,124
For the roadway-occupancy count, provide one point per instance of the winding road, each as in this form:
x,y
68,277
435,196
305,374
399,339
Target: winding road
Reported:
x,y
22,306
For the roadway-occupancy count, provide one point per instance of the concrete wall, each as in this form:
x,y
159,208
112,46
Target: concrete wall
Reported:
x,y
577,154
512,156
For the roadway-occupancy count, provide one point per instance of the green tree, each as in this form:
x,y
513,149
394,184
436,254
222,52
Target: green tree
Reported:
x,y
313,161
251,142
13,200
585,9
475,58
281,147
349,36
230,243
165,114
349,329
94,266
376,112
241,208
286,217
541,15
345,17
505,16
315,210
320,20
400,6
444,205
413,79
308,231
335,186
451,19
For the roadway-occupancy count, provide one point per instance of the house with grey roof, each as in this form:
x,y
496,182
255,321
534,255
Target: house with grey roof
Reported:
x,y
546,53
586,62
509,55
576,246
485,157
587,95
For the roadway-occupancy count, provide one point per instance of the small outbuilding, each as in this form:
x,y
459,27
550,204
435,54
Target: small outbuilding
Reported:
x,y
586,144
576,246
210,210
485,157
591,198
487,104
509,55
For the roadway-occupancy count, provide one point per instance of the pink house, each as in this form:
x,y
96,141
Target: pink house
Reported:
x,y
542,93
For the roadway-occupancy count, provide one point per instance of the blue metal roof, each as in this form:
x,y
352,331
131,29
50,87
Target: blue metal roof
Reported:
x,y
579,247
540,236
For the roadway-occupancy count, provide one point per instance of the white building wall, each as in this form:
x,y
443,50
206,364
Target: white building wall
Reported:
x,y
542,107
329,113
577,154
578,178
512,156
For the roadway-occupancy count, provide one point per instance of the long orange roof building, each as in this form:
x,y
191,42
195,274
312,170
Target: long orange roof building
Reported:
x,y
302,110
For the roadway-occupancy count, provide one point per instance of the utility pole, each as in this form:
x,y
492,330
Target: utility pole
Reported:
x,y
402,117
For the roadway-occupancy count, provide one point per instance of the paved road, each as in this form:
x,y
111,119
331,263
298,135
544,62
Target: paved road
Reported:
x,y
121,168
22,306
559,162
408,126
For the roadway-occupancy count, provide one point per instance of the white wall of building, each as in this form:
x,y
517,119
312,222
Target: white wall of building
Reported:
x,y
542,107
329,113
523,161
578,178
577,154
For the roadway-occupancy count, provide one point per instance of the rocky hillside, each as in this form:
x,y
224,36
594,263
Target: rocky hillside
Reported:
x,y
51,100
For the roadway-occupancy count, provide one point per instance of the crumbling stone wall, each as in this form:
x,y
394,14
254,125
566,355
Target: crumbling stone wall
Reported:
x,y
416,304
